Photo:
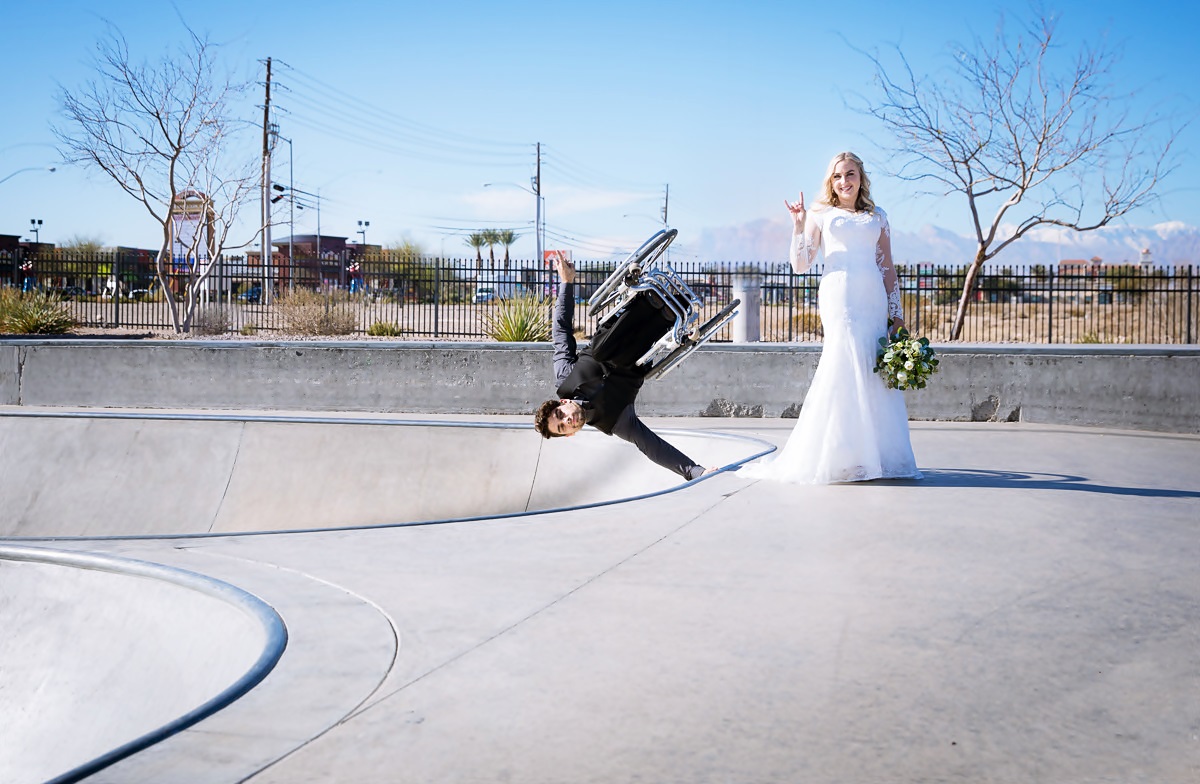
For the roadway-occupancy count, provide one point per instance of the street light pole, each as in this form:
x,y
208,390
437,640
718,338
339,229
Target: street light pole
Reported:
x,y
28,168
291,208
35,227
362,250
293,192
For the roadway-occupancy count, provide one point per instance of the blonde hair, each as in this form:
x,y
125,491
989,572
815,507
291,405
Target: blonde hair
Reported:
x,y
863,203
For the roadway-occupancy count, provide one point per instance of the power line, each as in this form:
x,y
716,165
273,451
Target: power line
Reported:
x,y
329,110
580,174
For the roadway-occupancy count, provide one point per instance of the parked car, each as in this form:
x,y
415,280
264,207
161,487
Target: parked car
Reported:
x,y
252,295
496,286
71,292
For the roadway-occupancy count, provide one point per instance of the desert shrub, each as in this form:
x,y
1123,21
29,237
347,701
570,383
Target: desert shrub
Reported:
x,y
307,312
521,319
211,320
248,330
385,329
33,313
1088,337
808,320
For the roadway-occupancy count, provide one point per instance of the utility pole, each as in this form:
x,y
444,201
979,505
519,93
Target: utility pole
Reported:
x,y
537,197
666,200
265,296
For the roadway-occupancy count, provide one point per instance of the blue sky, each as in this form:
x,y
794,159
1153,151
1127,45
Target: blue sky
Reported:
x,y
400,112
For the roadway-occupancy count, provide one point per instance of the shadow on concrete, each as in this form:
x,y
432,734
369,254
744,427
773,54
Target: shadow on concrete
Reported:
x,y
1020,480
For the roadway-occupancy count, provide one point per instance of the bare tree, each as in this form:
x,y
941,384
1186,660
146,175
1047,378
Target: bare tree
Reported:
x,y
165,132
1029,137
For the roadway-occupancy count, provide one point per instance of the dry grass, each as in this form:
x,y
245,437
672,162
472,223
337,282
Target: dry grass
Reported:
x,y
1022,323
308,312
1148,322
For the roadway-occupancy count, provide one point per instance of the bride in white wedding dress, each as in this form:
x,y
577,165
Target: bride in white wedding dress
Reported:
x,y
851,427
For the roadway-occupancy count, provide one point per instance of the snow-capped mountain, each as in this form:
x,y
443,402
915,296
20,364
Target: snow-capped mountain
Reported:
x,y
1173,243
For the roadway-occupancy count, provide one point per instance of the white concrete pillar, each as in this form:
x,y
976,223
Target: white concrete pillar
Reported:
x,y
746,326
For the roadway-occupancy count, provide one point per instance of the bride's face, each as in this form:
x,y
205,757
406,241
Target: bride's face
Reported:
x,y
846,181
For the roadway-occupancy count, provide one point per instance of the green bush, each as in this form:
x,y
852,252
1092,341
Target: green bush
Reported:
x,y
33,313
385,329
522,319
307,312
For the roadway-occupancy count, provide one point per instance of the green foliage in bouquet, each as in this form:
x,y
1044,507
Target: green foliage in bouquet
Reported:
x,y
905,362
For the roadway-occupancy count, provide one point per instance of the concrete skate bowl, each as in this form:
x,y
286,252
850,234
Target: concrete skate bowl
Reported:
x,y
135,652
115,474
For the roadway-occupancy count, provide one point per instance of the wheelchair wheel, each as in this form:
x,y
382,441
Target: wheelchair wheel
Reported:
x,y
640,259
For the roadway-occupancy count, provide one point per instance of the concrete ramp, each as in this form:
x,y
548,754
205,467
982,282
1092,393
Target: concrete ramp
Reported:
x,y
114,655
94,474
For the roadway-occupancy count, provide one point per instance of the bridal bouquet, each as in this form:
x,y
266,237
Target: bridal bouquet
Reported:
x,y
905,362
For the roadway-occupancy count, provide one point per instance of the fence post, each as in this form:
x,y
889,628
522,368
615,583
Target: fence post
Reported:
x,y
917,320
1189,304
437,293
791,305
116,272
1050,308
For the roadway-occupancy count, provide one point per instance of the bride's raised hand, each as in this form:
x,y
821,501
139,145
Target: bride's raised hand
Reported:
x,y
797,210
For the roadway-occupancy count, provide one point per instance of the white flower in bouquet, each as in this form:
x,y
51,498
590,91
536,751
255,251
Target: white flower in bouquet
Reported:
x,y
905,362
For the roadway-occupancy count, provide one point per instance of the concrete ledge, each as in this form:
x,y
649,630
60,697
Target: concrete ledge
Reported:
x,y
1137,387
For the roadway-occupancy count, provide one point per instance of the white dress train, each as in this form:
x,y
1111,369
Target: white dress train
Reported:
x,y
851,426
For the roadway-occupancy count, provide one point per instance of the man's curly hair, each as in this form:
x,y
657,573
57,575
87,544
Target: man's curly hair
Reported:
x,y
541,419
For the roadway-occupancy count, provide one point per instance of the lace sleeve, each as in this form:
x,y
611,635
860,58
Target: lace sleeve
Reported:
x,y
805,245
883,260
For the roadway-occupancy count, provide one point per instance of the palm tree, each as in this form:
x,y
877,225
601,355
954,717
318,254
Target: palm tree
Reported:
x,y
492,238
507,237
477,241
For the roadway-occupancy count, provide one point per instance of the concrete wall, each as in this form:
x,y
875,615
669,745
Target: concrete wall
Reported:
x,y
1137,387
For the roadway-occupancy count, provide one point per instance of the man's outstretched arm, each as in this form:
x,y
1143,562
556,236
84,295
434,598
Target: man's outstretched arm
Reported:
x,y
562,329
634,430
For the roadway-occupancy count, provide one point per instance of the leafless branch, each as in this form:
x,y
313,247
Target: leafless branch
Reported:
x,y
159,130
1027,134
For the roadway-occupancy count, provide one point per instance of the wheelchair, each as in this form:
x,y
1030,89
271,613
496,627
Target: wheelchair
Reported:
x,y
645,275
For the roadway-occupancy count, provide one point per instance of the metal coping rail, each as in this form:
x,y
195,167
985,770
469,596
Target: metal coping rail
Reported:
x,y
274,630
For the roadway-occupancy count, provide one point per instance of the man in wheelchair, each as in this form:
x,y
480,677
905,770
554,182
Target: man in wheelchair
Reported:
x,y
651,328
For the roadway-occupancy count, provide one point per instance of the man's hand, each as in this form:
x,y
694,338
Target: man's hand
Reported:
x,y
566,270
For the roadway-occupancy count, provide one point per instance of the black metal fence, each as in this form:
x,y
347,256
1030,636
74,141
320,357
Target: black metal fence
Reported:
x,y
426,297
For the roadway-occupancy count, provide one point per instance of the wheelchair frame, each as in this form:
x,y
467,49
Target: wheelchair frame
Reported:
x,y
646,270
